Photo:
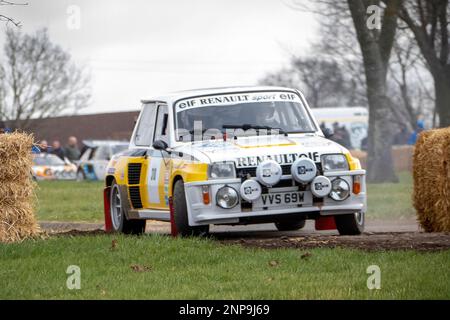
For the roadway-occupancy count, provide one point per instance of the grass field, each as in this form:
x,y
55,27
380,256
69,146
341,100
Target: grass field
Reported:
x,y
153,267
83,201
158,267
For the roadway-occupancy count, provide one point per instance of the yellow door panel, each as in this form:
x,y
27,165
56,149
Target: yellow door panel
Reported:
x,y
156,183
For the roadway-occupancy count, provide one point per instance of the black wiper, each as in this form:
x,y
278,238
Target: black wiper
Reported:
x,y
247,126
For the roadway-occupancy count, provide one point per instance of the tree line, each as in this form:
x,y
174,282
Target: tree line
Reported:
x,y
391,55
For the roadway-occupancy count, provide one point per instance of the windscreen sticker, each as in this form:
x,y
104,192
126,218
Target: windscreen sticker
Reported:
x,y
230,99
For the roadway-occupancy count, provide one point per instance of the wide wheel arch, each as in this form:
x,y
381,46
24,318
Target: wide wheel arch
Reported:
x,y
109,180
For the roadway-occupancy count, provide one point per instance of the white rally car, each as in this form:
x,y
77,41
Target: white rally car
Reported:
x,y
233,156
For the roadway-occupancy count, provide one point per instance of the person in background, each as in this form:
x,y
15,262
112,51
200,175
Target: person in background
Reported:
x,y
419,128
71,151
341,135
57,149
44,146
401,138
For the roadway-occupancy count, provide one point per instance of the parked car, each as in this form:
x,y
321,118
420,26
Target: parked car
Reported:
x,y
95,157
50,167
232,156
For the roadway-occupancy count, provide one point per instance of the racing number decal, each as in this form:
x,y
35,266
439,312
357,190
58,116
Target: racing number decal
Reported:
x,y
153,180
157,182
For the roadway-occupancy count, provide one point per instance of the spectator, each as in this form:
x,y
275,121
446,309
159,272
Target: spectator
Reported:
x,y
44,146
57,149
401,138
341,136
71,151
413,137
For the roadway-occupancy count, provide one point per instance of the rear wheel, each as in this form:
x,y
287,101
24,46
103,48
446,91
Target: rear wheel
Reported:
x,y
180,213
350,224
291,225
120,223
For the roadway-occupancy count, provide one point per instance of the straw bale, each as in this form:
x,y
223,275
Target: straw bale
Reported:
x,y
431,173
17,219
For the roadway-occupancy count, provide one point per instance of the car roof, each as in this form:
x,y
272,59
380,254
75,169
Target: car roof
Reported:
x,y
177,95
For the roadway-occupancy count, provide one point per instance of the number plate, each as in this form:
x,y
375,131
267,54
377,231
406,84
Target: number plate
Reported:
x,y
283,199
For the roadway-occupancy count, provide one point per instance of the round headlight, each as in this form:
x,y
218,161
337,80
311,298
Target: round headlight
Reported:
x,y
340,189
227,197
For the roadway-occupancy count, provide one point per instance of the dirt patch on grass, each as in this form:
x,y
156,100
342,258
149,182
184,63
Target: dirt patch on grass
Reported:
x,y
368,241
303,239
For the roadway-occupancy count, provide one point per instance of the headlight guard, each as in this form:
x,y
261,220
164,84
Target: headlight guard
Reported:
x,y
334,162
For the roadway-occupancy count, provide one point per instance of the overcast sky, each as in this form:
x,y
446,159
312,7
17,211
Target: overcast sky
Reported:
x,y
138,48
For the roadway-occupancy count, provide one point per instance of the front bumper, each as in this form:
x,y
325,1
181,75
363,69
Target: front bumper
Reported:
x,y
201,214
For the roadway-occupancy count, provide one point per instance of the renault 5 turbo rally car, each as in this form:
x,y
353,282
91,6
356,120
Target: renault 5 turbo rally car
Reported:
x,y
233,156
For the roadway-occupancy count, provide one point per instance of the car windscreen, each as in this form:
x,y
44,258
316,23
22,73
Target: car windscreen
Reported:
x,y
48,160
254,111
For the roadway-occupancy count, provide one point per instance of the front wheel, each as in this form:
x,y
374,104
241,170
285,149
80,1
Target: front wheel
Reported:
x,y
120,223
350,224
180,214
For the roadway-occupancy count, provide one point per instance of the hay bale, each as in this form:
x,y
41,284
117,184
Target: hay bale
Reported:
x,y
17,219
15,156
431,173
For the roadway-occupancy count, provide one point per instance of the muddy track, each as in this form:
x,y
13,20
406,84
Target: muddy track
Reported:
x,y
368,241
265,236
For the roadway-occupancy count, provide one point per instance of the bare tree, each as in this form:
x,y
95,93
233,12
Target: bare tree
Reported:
x,y
6,18
428,21
376,46
410,80
38,79
322,81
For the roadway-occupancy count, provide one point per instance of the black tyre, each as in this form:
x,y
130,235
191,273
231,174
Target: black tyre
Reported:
x,y
350,224
291,225
180,214
120,223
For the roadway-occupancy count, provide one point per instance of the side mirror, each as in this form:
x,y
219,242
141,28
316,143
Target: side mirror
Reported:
x,y
160,145
328,133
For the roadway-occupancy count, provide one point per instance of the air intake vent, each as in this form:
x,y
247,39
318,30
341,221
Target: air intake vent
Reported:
x,y
135,197
134,173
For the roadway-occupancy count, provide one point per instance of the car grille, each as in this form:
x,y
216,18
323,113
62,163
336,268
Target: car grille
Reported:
x,y
286,169
134,173
135,197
